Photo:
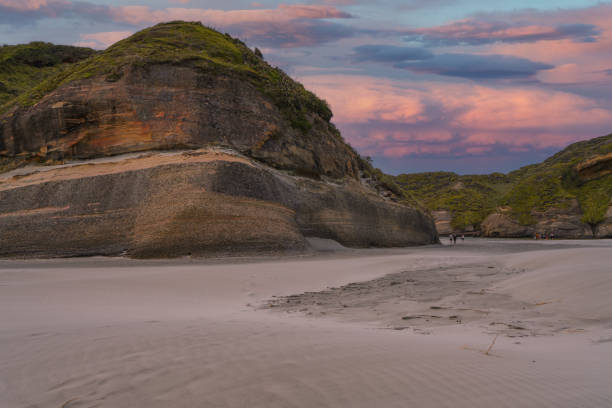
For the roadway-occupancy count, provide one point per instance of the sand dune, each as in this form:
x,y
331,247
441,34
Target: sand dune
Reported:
x,y
121,333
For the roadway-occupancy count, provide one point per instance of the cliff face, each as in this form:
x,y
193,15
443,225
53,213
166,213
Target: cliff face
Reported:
x,y
173,86
442,220
170,107
191,203
604,229
594,168
250,161
563,222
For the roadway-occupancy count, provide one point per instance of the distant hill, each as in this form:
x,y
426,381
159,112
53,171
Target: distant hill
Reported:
x,y
575,183
24,66
469,198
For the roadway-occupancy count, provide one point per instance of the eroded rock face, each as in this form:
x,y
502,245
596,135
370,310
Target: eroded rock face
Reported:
x,y
596,167
171,107
502,225
443,220
199,203
562,222
604,229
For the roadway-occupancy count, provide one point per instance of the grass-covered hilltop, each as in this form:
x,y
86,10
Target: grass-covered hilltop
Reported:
x,y
563,194
177,43
23,67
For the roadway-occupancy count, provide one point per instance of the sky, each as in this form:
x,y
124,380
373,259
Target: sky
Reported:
x,y
471,86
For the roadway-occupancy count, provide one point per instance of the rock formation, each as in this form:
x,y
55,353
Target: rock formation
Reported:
x,y
604,229
179,140
567,195
203,202
563,222
442,219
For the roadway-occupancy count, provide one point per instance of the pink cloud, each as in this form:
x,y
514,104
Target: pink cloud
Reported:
x,y
402,151
281,14
23,5
360,99
398,118
103,39
285,26
575,61
476,32
522,26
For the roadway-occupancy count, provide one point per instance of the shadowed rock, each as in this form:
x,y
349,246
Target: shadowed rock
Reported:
x,y
200,203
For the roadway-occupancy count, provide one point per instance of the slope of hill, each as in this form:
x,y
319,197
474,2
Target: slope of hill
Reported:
x,y
213,151
567,195
468,198
24,66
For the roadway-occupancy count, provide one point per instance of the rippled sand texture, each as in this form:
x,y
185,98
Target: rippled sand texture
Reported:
x,y
120,333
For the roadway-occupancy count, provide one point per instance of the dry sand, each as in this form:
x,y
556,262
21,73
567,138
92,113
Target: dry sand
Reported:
x,y
189,333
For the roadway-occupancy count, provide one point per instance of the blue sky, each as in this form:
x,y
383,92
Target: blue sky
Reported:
x,y
470,86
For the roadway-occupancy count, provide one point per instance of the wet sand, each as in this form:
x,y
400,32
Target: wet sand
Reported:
x,y
341,328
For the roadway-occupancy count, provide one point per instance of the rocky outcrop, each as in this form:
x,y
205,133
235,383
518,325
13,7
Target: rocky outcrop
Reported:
x,y
443,219
503,225
604,229
161,107
594,168
205,202
564,222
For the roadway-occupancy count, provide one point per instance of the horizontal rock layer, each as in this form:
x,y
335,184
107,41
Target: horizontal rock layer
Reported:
x,y
443,219
198,203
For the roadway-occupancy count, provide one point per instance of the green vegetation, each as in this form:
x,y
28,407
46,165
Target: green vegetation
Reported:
x,y
537,187
22,67
594,202
470,198
388,182
554,181
199,47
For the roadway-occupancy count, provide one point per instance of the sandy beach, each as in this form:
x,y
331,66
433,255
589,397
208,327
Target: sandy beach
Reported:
x,y
504,323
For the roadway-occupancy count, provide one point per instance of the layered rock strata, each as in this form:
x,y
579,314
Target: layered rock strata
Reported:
x,y
565,222
443,219
204,203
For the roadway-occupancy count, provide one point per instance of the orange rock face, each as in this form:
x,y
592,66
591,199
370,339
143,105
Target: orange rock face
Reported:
x,y
164,107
